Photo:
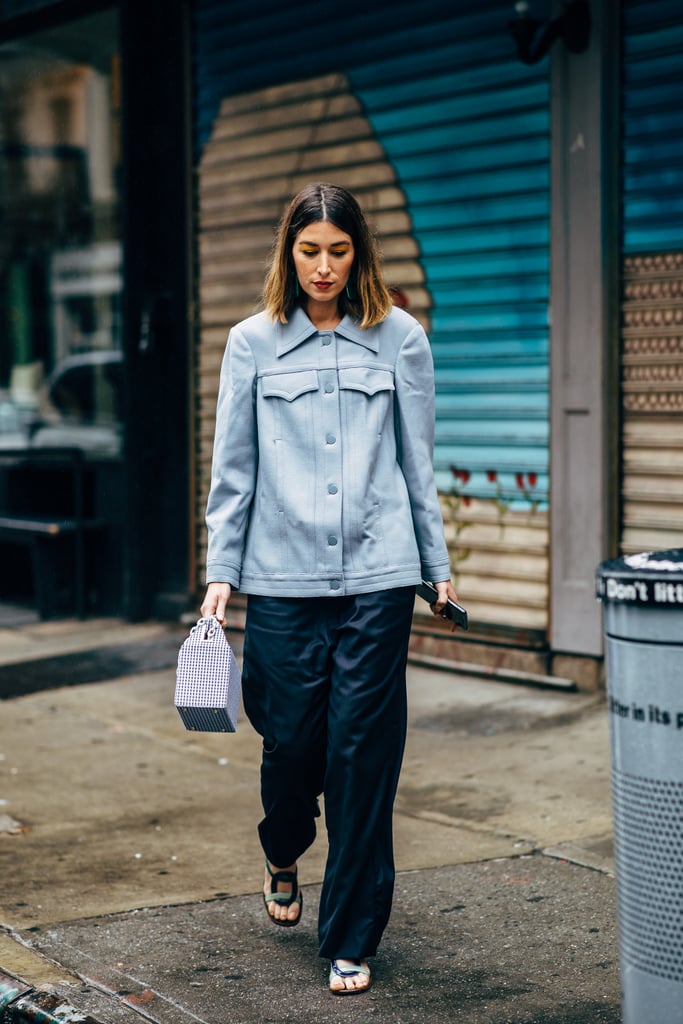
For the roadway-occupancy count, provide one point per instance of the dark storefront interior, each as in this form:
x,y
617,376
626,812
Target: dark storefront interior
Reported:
x,y
94,366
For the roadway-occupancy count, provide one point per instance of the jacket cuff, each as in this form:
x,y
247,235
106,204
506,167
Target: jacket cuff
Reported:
x,y
438,572
217,572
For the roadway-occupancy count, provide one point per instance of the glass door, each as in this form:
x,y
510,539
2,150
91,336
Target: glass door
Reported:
x,y
61,275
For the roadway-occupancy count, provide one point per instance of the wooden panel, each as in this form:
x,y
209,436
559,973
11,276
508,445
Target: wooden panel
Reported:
x,y
500,560
652,388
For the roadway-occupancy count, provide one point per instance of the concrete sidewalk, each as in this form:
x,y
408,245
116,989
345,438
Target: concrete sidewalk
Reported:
x,y
130,870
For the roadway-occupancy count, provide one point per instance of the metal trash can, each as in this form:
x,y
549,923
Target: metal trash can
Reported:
x,y
643,619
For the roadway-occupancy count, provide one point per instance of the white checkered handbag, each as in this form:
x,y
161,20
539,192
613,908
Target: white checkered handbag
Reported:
x,y
208,680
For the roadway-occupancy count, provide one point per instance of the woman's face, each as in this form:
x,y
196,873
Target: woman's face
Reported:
x,y
323,258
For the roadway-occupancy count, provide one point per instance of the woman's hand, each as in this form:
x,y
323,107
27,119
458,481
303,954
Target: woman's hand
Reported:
x,y
444,591
215,601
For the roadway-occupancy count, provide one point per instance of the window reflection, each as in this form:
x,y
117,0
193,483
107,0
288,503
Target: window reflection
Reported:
x,y
60,251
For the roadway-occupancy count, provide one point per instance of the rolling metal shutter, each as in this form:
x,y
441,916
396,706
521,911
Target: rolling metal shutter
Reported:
x,y
427,115
652,292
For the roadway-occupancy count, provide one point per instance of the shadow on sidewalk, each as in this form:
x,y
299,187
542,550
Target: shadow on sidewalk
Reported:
x,y
91,666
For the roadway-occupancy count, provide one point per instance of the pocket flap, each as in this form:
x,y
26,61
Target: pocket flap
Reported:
x,y
369,379
289,385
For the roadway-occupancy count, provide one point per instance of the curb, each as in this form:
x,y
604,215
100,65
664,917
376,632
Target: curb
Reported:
x,y
22,1004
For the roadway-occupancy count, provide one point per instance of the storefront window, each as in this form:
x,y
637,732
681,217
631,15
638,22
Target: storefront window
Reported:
x,y
60,249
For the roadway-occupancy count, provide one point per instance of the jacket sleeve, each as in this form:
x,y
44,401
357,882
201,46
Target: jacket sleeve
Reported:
x,y
235,460
414,382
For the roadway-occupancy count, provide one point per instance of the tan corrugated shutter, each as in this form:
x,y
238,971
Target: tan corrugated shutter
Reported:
x,y
652,383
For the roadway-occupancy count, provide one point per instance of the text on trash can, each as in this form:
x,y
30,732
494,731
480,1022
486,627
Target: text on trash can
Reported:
x,y
650,592
652,714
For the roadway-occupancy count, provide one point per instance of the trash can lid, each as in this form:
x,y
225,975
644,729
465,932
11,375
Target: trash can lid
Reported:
x,y
651,578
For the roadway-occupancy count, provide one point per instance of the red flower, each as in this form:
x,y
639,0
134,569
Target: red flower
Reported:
x,y
491,476
519,477
533,479
461,474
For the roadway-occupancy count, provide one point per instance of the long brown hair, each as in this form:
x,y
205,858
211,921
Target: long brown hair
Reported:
x,y
366,298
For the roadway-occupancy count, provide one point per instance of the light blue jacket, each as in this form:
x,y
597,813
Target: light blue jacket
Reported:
x,y
322,481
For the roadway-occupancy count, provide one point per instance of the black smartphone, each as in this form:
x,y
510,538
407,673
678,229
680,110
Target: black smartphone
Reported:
x,y
452,611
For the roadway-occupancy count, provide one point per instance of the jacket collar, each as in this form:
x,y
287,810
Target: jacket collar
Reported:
x,y
298,328
349,328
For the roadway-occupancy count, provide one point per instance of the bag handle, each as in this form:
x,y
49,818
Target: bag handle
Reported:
x,y
206,629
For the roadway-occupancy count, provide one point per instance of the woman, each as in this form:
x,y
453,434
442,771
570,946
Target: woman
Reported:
x,y
323,509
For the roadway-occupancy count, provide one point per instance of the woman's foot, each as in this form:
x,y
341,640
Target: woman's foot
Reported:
x,y
349,977
282,895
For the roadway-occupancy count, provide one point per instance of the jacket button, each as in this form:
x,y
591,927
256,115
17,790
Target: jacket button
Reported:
x,y
332,489
329,388
331,439
331,541
327,340
334,584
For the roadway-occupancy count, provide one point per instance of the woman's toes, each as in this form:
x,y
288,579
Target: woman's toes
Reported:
x,y
282,895
350,975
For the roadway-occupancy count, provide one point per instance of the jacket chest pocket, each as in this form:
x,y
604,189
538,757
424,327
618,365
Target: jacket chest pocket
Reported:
x,y
289,386
287,403
366,379
367,398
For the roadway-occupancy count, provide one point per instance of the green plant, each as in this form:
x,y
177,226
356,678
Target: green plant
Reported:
x,y
504,498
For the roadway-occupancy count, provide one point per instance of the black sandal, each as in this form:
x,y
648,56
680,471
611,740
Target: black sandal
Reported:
x,y
283,899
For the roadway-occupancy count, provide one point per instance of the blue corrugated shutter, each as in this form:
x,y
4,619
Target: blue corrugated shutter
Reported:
x,y
653,119
468,136
465,127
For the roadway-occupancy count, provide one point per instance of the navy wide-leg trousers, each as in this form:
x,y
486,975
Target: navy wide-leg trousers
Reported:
x,y
324,683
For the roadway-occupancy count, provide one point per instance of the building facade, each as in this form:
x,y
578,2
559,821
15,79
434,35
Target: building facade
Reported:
x,y
528,205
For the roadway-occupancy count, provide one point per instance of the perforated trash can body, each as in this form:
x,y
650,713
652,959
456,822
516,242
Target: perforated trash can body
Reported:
x,y
643,617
